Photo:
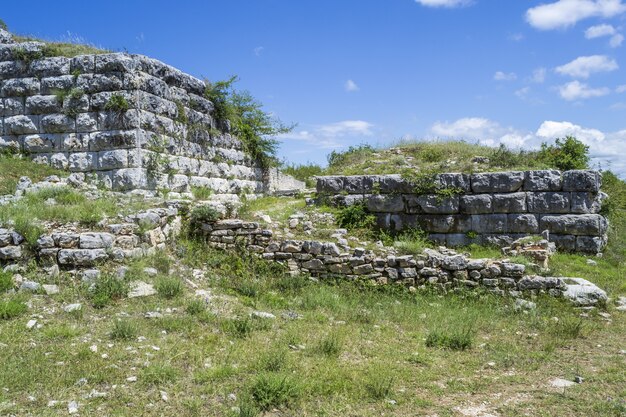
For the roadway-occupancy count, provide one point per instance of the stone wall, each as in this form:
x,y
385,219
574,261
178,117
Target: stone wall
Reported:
x,y
61,112
485,208
70,246
443,268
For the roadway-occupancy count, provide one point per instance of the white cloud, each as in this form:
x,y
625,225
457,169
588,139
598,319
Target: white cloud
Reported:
x,y
621,89
517,37
522,92
539,75
616,40
551,130
330,136
599,31
351,86
502,76
576,90
444,3
565,13
258,50
606,149
584,66
347,127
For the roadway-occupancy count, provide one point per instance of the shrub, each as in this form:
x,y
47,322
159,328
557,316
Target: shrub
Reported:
x,y
246,408
6,281
106,289
204,214
255,128
503,157
356,217
337,159
450,339
304,172
565,154
273,361
11,309
117,103
169,287
123,330
270,390
3,25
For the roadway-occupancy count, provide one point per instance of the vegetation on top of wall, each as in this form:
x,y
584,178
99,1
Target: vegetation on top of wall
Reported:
x,y
434,157
256,128
13,167
117,103
3,25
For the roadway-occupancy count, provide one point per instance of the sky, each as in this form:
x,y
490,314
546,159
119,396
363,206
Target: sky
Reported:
x,y
350,72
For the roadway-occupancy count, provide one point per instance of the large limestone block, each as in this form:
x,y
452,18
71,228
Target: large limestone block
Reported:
x,y
39,143
497,182
94,240
550,202
330,185
582,180
57,123
20,125
385,203
42,104
81,257
489,223
113,159
586,203
523,223
509,203
50,67
583,293
545,180
476,204
129,179
575,224
20,87
432,204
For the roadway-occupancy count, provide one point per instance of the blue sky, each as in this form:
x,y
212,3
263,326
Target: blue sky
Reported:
x,y
374,71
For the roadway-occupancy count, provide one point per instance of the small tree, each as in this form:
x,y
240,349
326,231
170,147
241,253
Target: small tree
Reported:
x,y
565,154
253,126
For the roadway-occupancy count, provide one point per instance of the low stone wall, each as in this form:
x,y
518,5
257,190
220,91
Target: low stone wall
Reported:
x,y
485,208
69,246
443,268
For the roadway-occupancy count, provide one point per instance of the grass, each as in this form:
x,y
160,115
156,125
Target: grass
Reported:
x,y
11,309
107,289
169,287
15,167
352,349
6,281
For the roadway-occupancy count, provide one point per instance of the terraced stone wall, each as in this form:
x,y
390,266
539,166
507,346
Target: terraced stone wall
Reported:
x,y
485,208
70,113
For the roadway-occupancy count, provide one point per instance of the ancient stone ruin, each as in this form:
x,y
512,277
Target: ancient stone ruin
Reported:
x,y
485,208
131,122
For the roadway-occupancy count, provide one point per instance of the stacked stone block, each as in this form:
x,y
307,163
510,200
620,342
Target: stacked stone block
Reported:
x,y
58,110
485,208
138,235
444,268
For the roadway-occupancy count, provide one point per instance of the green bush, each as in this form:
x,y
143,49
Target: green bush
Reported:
x,y
338,159
270,390
254,127
3,25
204,214
330,345
356,216
195,307
304,172
565,154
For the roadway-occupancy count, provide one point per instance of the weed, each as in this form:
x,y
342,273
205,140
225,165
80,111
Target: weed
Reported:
x,y
273,361
204,214
11,308
195,307
123,330
271,390
108,288
169,287
330,345
246,408
356,217
201,193
450,339
157,374
6,281
379,383
117,103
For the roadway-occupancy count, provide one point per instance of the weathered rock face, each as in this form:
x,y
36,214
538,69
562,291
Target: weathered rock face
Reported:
x,y
62,112
487,208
